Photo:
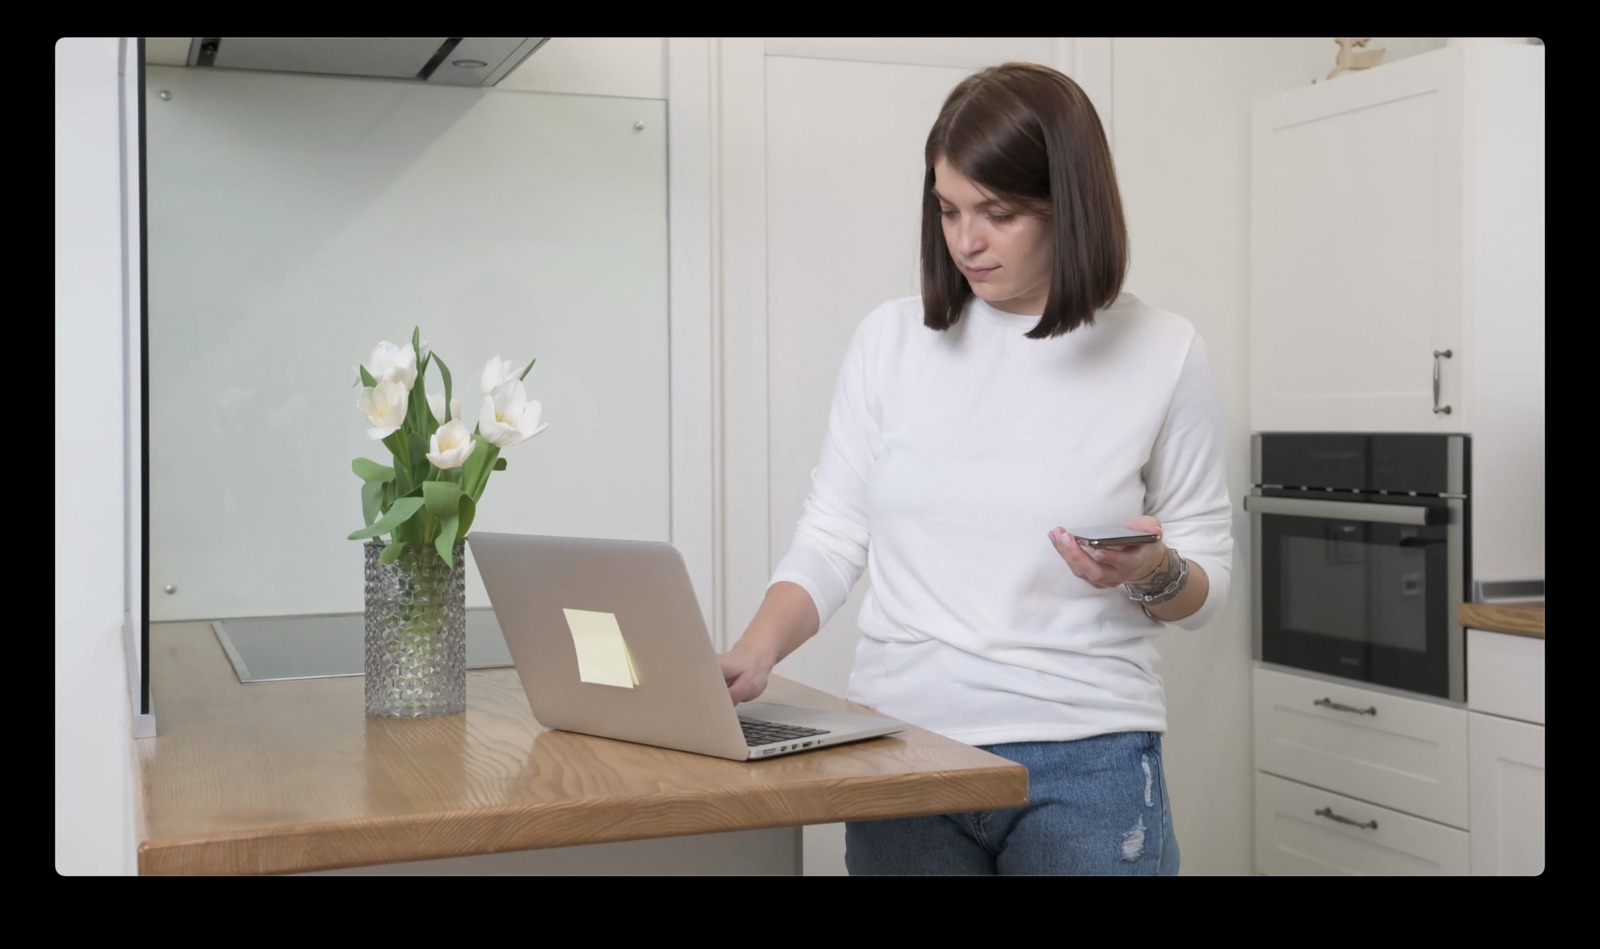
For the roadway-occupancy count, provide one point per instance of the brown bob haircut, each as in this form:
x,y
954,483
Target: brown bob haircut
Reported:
x,y
1029,135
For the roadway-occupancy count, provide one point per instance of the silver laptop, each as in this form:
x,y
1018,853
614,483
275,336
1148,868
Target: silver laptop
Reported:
x,y
608,640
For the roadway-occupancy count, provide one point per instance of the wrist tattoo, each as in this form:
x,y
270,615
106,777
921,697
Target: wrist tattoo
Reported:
x,y
1164,576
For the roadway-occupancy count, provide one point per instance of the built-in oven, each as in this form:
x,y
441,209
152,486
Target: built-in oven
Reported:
x,y
1360,546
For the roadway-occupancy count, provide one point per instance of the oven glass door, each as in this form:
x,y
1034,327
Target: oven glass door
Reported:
x,y
1359,599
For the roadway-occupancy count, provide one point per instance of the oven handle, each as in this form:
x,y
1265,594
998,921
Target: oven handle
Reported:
x,y
1348,510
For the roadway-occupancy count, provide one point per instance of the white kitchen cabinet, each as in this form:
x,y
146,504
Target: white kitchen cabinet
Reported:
x,y
1507,792
1505,752
1398,213
1306,831
1395,211
1409,754
1505,675
1357,200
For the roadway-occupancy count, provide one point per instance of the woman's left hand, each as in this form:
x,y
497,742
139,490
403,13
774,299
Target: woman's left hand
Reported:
x,y
1112,566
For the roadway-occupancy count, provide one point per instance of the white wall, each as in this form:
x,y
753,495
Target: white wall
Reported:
x,y
94,787
595,66
1182,109
1394,47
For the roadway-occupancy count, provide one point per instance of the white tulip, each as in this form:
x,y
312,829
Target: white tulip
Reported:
x,y
450,445
384,405
391,363
508,417
436,406
497,372
425,348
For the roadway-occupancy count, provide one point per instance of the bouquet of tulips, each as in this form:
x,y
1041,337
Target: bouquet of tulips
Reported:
x,y
430,494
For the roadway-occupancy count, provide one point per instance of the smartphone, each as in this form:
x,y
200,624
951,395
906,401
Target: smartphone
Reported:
x,y
1097,537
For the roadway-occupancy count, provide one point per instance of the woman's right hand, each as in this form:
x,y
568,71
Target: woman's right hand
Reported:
x,y
745,670
786,619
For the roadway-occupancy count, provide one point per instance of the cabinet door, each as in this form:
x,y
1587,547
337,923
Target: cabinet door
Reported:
x,y
1357,251
1506,762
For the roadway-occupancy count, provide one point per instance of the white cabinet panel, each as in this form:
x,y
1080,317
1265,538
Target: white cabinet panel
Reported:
x,y
1507,796
1505,675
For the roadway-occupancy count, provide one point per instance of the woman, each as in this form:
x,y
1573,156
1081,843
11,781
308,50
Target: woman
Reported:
x,y
1022,394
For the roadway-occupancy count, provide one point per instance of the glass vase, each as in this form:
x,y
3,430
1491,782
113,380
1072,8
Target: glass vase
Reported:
x,y
416,638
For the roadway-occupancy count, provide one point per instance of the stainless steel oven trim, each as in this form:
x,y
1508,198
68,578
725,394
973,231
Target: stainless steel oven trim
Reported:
x,y
1342,510
1483,591
1255,558
1455,547
1456,465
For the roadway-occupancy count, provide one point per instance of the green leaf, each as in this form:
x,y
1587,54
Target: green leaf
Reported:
x,y
402,511
416,409
396,443
368,470
371,500
442,497
392,552
475,472
499,464
445,543
444,373
525,371
416,341
366,378
467,511
405,478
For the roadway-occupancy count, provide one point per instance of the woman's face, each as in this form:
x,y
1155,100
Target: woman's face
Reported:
x,y
1004,254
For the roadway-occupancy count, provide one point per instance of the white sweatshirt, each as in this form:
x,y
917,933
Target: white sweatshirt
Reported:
x,y
949,458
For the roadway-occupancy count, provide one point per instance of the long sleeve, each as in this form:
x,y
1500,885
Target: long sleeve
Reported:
x,y
1186,481
829,551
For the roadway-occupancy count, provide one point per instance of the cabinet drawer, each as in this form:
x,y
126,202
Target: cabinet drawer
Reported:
x,y
1407,754
1299,832
1505,675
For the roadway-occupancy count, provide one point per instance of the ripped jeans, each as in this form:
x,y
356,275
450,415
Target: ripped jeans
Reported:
x,y
1097,806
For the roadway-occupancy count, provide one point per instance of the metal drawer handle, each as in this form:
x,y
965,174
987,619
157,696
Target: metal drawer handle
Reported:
x,y
1438,409
1330,815
1339,707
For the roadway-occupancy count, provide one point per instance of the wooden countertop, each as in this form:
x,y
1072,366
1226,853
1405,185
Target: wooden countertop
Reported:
x,y
1520,619
279,777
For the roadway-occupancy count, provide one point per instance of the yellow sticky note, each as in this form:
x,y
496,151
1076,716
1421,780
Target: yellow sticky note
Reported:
x,y
602,655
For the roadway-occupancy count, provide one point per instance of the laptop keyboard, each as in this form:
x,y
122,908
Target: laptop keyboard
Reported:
x,y
758,733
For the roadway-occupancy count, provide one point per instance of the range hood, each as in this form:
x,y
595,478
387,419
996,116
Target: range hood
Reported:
x,y
440,60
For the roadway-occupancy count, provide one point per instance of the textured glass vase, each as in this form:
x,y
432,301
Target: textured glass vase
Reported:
x,y
416,641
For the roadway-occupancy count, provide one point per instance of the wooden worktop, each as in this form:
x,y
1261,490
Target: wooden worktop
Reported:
x,y
290,776
1521,619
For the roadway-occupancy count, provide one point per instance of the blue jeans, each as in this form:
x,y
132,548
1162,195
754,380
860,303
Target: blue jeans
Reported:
x,y
1097,806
